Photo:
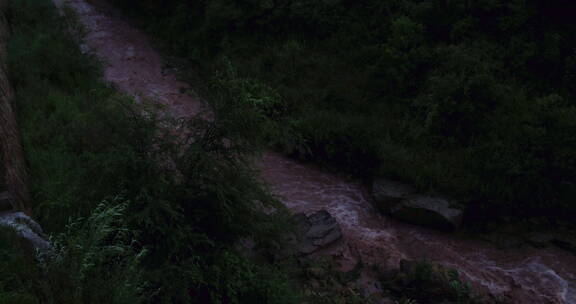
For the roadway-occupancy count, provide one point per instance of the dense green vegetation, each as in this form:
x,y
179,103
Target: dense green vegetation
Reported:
x,y
427,282
473,99
470,98
137,214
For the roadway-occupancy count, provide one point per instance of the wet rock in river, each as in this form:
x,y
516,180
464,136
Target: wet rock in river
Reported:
x,y
388,194
313,232
428,211
401,202
317,231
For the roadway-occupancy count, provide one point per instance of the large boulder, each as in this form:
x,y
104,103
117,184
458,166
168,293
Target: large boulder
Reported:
x,y
27,229
388,194
401,202
316,231
428,211
23,225
313,232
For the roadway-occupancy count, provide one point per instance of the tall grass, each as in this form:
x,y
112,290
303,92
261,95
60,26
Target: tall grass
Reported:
x,y
94,261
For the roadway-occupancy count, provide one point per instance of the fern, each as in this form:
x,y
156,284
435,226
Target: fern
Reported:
x,y
97,259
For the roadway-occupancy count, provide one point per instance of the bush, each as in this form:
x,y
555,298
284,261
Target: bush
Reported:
x,y
93,262
96,260
425,282
112,181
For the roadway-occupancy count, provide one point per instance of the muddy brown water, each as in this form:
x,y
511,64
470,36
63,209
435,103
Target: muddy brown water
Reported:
x,y
519,275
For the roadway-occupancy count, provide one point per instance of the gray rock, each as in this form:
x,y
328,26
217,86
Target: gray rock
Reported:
x,y
388,193
313,232
317,230
28,229
401,202
435,212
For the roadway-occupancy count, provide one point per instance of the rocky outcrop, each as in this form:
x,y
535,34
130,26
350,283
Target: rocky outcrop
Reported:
x,y
27,229
402,202
316,231
23,225
389,193
433,212
312,233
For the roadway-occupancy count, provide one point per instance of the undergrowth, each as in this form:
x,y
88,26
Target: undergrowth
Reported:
x,y
422,282
137,213
434,93
93,261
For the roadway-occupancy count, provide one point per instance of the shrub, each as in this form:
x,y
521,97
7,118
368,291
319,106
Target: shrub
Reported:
x,y
94,261
112,181
426,282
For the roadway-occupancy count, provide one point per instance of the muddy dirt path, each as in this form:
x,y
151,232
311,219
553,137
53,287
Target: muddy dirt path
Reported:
x,y
521,276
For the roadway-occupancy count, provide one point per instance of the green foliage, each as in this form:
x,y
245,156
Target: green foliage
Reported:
x,y
233,279
17,269
474,99
251,112
426,282
94,261
144,209
323,283
90,144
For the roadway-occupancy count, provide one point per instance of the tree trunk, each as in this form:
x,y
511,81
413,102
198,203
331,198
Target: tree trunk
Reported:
x,y
10,146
